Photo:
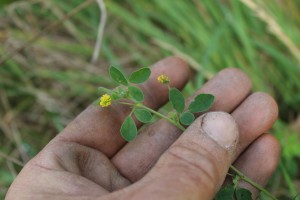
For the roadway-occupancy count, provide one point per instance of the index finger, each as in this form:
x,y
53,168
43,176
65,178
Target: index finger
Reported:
x,y
98,128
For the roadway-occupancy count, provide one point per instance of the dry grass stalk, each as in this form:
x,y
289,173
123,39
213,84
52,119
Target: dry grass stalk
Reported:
x,y
103,19
49,28
273,27
11,159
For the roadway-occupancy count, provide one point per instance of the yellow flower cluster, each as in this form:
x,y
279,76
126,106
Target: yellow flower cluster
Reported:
x,y
163,79
105,100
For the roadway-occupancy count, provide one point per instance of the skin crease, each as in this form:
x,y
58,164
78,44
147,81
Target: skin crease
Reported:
x,y
89,159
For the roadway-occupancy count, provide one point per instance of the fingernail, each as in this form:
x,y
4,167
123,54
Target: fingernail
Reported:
x,y
220,127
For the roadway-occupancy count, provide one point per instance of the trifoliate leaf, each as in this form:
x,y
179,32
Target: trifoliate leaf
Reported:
x,y
187,118
201,103
136,93
243,194
226,193
177,99
143,115
117,76
128,129
140,75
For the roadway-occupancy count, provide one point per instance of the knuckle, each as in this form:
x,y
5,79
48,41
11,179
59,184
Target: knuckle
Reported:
x,y
197,165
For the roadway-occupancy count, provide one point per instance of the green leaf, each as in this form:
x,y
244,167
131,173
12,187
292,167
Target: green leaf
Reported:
x,y
201,103
136,93
117,76
143,115
226,193
243,194
187,118
176,99
128,129
140,75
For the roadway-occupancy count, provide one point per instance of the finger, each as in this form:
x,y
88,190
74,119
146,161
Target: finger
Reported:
x,y
230,87
195,166
99,128
259,162
254,116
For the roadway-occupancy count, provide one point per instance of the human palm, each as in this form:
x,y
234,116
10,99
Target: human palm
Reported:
x,y
89,159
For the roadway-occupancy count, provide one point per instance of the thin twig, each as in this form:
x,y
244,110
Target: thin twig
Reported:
x,y
47,29
101,28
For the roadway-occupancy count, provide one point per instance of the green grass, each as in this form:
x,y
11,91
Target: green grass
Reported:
x,y
50,82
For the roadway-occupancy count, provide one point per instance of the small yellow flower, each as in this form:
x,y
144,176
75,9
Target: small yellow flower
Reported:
x,y
163,79
105,100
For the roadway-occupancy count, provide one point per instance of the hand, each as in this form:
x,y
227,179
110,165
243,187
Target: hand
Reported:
x,y
89,159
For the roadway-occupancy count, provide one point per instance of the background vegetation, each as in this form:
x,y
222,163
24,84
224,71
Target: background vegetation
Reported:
x,y
45,85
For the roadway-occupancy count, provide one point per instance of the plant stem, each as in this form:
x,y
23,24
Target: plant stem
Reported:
x,y
251,182
238,172
155,113
288,179
162,116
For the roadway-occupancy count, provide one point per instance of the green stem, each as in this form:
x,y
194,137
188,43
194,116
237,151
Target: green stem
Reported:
x,y
162,116
238,172
288,179
155,113
254,184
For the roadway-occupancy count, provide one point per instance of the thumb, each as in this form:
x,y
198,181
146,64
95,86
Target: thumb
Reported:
x,y
195,166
